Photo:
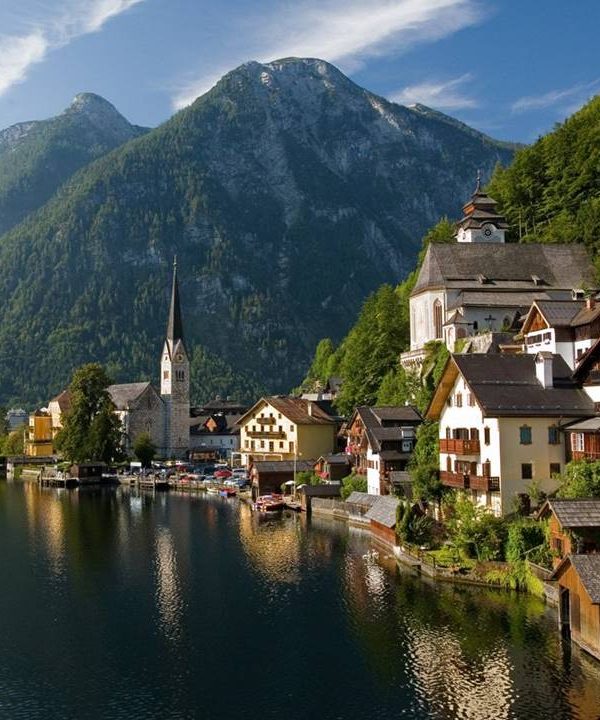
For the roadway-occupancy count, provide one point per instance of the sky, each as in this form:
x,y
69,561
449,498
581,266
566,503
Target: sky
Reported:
x,y
510,68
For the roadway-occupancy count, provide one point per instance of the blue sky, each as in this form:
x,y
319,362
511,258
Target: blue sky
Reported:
x,y
511,68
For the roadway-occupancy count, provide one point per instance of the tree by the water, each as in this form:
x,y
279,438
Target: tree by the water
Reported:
x,y
91,430
144,449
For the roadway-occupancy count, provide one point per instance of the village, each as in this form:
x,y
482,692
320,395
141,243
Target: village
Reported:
x,y
515,407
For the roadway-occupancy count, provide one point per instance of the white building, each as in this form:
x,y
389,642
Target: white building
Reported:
x,y
499,424
480,282
566,327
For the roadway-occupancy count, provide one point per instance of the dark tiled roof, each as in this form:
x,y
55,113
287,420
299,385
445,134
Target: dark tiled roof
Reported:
x,y
384,511
588,569
124,394
505,265
583,512
337,459
393,455
559,313
509,299
507,385
63,399
374,417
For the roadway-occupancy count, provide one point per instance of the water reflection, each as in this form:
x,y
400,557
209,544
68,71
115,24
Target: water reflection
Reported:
x,y
168,593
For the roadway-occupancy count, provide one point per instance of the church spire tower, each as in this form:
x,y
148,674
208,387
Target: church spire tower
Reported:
x,y
175,379
481,222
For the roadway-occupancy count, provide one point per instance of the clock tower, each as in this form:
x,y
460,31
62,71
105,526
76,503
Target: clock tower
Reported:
x,y
481,222
175,380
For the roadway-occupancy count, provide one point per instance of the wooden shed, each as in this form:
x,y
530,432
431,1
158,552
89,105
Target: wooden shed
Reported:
x,y
574,526
382,518
578,579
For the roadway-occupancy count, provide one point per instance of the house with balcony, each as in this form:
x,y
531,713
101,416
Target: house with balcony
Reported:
x,y
500,421
380,441
566,327
286,428
38,435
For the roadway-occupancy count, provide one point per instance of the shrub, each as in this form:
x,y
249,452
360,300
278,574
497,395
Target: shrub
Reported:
x,y
352,483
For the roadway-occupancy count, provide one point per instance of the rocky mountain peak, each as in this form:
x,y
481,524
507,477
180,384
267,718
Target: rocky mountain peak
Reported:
x,y
100,113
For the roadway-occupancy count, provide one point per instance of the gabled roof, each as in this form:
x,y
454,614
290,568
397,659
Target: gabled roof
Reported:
x,y
587,363
384,510
63,400
335,459
362,498
507,386
297,410
374,419
510,266
282,466
587,568
581,512
126,393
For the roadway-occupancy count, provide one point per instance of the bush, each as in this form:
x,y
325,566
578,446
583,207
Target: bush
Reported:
x,y
581,479
475,531
523,537
412,526
352,483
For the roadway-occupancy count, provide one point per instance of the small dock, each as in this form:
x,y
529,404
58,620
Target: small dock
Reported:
x,y
57,479
151,482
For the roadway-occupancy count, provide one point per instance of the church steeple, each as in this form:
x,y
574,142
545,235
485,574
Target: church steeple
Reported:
x,y
175,324
481,221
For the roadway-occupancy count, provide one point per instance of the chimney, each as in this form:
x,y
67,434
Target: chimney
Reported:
x,y
590,302
309,408
543,369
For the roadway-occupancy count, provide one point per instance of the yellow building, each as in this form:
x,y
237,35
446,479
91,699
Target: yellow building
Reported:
x,y
38,435
285,428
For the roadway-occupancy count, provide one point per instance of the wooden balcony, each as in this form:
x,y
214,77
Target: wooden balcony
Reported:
x,y
470,482
484,482
459,447
266,434
263,420
454,480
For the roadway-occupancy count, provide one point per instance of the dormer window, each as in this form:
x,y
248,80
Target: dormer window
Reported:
x,y
537,280
482,279
577,294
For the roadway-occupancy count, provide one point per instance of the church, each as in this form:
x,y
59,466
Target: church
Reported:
x,y
163,413
481,283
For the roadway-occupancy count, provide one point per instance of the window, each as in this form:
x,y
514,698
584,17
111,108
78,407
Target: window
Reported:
x,y
449,401
525,435
553,435
281,444
252,445
577,442
271,446
554,469
470,400
448,434
437,319
526,471
458,399
291,447
557,545
475,326
448,463
262,443
291,428
279,416
246,444
165,375
486,435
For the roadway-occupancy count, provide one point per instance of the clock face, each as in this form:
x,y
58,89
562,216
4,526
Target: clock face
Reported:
x,y
179,358
488,230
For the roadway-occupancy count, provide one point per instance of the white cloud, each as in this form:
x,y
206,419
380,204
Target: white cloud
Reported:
x,y
437,94
571,98
345,32
19,52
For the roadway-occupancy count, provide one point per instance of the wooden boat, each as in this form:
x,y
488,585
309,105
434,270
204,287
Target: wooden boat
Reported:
x,y
227,491
270,503
212,489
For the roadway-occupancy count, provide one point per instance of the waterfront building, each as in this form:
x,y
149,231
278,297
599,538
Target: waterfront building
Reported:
x,y
333,467
16,418
38,435
380,441
214,431
578,578
566,327
500,419
141,410
268,476
382,518
574,526
481,283
285,428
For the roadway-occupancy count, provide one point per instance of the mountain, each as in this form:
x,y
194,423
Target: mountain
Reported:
x,y
288,193
36,158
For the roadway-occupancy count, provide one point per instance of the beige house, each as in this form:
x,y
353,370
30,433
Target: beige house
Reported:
x,y
499,424
286,428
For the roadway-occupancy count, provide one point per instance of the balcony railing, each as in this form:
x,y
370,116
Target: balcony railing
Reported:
x,y
459,447
454,480
266,434
263,420
470,482
484,482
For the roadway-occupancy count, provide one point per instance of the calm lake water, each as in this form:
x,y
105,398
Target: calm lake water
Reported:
x,y
117,605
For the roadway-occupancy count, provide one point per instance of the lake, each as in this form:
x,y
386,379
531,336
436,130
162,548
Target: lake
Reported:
x,y
115,604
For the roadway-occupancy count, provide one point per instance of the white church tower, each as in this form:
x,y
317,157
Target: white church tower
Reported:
x,y
481,222
175,380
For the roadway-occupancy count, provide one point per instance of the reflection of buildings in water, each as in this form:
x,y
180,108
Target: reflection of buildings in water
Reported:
x,y
455,686
272,546
46,518
583,695
168,597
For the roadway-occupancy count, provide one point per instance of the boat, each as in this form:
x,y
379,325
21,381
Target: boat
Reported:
x,y
212,489
228,491
269,503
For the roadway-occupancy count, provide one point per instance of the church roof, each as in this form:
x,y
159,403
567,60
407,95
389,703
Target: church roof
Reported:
x,y
126,393
175,322
509,266
481,209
